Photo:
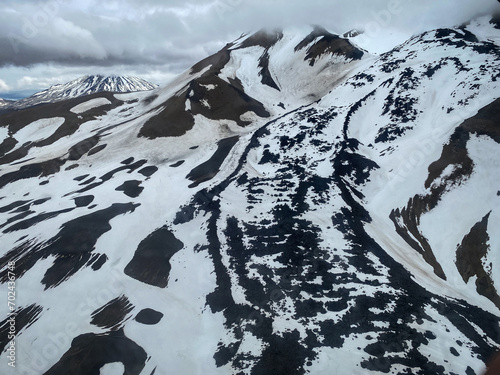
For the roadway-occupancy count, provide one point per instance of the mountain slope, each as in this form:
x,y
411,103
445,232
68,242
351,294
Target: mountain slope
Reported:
x,y
289,205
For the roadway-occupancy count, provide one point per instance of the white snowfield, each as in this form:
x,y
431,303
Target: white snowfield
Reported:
x,y
39,130
88,105
289,261
4,133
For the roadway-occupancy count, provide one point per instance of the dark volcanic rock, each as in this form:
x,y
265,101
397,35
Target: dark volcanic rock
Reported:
x,y
282,356
81,178
82,147
96,149
97,261
265,39
113,314
148,171
107,176
83,201
24,317
128,160
486,121
267,78
13,205
72,246
90,352
151,261
274,259
131,188
25,224
149,316
177,164
207,170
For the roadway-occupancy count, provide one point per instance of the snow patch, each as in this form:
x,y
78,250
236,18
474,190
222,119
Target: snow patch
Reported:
x,y
39,130
4,133
115,368
205,103
93,103
484,30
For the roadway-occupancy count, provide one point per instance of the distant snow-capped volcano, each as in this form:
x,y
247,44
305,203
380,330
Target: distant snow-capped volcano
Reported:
x,y
5,102
85,85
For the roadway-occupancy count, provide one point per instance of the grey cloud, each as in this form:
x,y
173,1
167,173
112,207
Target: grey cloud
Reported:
x,y
79,39
134,31
178,33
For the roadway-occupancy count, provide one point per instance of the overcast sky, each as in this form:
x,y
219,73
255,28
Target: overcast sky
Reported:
x,y
47,42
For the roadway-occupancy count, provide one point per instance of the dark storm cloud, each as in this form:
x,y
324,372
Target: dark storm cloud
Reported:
x,y
59,33
175,34
154,32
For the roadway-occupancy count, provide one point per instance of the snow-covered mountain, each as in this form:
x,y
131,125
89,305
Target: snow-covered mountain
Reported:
x,y
290,205
85,85
5,103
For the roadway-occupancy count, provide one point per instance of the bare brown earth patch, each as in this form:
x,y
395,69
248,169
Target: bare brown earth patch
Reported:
x,y
263,38
224,102
172,121
227,101
407,226
454,153
327,44
485,122
216,61
470,253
